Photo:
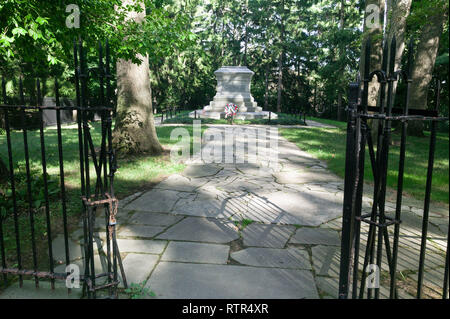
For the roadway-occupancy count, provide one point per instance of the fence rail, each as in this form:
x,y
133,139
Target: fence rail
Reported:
x,y
379,241
97,192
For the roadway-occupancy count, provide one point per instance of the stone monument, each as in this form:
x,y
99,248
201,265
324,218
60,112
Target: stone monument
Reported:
x,y
233,86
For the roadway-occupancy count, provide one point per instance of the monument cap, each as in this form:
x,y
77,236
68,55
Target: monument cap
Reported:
x,y
234,69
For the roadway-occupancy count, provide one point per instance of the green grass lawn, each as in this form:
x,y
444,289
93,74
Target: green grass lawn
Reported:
x,y
135,173
329,144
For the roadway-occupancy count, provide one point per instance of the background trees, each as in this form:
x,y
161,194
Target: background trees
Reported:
x,y
303,52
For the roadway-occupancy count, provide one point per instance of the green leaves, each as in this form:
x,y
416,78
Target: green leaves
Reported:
x,y
19,31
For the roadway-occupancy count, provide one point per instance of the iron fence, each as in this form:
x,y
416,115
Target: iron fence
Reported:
x,y
352,282
97,192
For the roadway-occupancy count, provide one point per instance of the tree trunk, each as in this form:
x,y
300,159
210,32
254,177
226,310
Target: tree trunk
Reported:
x,y
397,27
424,61
376,36
135,132
280,82
375,33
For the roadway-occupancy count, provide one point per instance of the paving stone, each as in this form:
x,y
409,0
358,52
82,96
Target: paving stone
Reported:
x,y
433,280
202,229
273,236
196,252
316,236
326,260
201,170
326,188
99,223
292,207
138,267
273,257
155,201
77,234
154,219
123,202
210,205
76,250
203,281
335,224
100,265
29,291
252,169
240,184
177,183
141,246
329,288
305,176
140,231
305,158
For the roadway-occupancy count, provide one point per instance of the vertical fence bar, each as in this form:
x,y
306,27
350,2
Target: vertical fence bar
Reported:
x,y
28,173
382,231
61,174
44,173
383,165
80,132
364,131
108,120
370,237
447,265
2,243
80,117
401,169
88,209
347,217
103,158
13,183
426,208
103,104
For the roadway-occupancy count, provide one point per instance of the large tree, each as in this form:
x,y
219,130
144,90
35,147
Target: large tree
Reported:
x,y
35,41
134,131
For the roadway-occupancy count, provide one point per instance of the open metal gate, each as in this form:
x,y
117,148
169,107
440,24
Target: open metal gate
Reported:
x,y
381,242
97,191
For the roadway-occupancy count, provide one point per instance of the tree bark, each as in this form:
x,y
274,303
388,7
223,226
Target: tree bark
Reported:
x,y
422,72
134,132
376,36
397,27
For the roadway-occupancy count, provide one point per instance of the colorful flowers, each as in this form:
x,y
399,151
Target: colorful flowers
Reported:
x,y
230,109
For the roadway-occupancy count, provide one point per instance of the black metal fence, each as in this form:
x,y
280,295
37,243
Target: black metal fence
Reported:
x,y
97,192
352,281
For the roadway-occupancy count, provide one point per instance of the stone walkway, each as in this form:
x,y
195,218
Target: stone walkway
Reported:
x,y
253,231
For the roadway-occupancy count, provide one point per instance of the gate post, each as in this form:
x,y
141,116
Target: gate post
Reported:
x,y
349,189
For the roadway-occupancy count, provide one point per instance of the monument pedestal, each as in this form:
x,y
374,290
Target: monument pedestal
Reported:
x,y
233,86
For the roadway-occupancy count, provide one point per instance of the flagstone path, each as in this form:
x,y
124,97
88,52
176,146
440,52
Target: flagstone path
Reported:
x,y
253,230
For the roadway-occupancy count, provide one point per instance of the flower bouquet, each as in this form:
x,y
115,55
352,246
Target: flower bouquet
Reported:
x,y
230,111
